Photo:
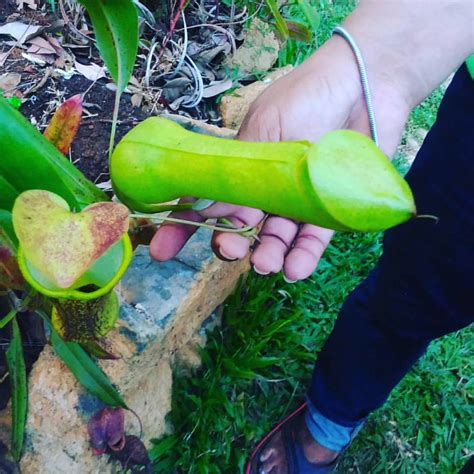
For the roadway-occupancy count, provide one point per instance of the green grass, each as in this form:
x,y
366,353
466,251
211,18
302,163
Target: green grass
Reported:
x,y
257,366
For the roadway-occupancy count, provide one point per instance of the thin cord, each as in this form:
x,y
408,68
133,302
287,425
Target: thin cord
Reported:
x,y
363,79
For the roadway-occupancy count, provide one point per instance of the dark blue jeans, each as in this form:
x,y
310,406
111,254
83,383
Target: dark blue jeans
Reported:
x,y
423,285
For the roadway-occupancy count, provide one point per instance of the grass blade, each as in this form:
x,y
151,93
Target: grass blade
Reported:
x,y
17,372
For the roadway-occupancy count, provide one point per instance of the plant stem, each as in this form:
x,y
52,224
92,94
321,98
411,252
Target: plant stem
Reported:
x,y
113,130
247,231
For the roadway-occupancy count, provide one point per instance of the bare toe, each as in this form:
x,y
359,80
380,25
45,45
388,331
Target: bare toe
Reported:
x,y
273,457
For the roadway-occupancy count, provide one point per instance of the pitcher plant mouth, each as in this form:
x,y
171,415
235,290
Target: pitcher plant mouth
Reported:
x,y
85,291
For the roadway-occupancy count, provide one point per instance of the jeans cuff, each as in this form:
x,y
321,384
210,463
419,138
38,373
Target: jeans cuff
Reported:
x,y
326,432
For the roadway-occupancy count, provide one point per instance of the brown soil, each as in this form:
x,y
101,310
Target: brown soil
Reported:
x,y
90,148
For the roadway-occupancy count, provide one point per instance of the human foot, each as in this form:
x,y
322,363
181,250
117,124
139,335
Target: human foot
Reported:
x,y
292,447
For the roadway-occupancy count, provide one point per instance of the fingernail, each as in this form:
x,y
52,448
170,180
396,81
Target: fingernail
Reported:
x,y
223,256
260,272
288,280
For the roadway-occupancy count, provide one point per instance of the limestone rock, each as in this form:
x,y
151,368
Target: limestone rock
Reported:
x,y
259,51
234,107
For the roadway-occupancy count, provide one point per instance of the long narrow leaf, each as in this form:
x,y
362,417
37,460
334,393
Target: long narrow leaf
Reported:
x,y
17,373
279,20
116,31
6,319
86,371
310,13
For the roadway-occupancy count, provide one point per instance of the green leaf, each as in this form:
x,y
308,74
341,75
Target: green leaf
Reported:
x,y
86,371
279,20
8,193
29,161
310,13
116,31
15,102
5,320
17,372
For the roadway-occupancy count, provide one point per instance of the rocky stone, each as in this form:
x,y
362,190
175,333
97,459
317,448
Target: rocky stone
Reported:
x,y
234,107
259,51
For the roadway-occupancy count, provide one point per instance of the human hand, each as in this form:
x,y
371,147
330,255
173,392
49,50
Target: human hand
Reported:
x,y
323,94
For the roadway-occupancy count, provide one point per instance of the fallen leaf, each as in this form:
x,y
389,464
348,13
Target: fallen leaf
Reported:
x,y
62,245
216,88
29,3
106,185
39,45
93,72
63,127
3,57
20,31
136,100
8,82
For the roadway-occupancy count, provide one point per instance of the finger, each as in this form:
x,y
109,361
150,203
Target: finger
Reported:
x,y
220,209
304,257
276,238
171,237
232,246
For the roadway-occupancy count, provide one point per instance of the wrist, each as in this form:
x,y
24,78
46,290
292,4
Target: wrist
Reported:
x,y
337,61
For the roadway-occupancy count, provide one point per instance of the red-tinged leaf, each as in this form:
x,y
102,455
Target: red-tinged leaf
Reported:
x,y
106,430
10,275
63,127
299,31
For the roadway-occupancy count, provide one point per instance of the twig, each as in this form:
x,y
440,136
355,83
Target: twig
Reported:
x,y
168,36
69,23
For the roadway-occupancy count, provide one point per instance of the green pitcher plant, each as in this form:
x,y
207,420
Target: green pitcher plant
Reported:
x,y
343,181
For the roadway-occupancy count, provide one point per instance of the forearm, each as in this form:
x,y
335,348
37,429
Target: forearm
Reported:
x,y
413,44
